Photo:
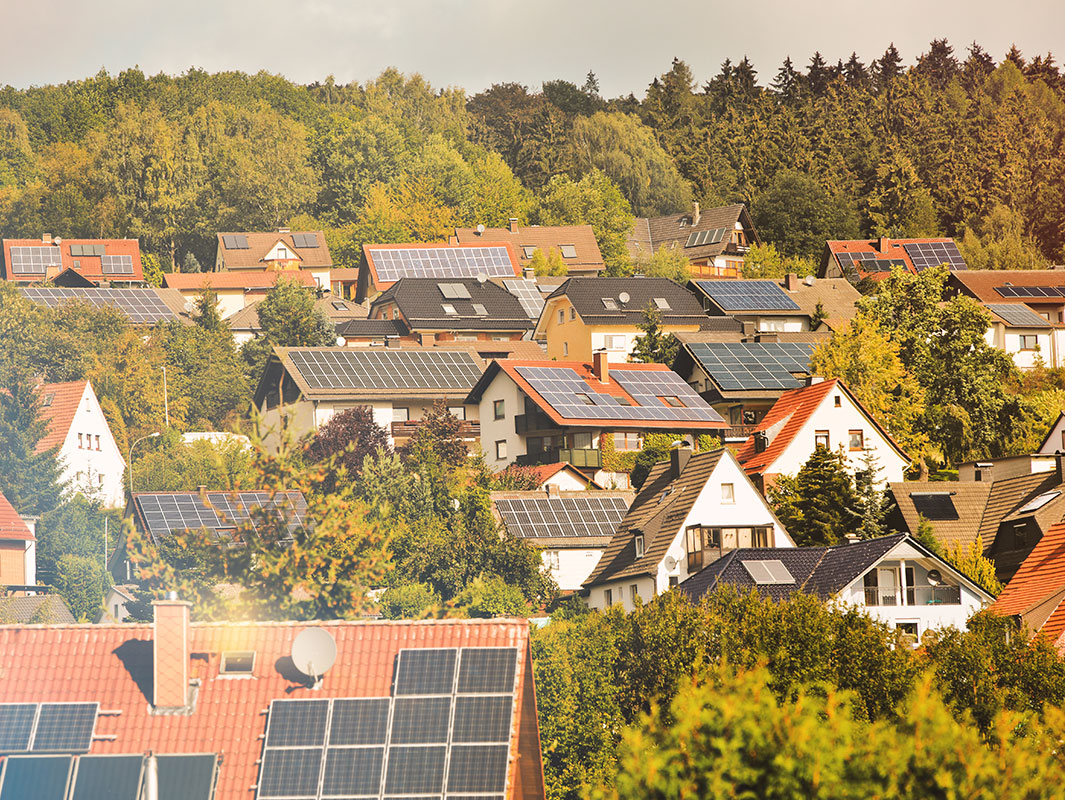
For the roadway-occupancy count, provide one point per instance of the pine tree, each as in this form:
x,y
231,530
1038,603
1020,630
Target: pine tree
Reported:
x,y
30,480
818,74
888,67
869,497
817,506
938,65
788,82
654,346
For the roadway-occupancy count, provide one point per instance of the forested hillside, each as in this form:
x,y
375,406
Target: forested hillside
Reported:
x,y
954,144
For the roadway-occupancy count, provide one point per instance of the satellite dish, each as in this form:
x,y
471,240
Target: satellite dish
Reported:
x,y
624,297
480,229
809,280
481,277
670,562
314,651
934,578
57,240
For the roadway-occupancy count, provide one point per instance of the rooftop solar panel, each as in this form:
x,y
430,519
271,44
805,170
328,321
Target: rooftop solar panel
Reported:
x,y
735,366
186,777
167,513
64,727
393,263
934,505
709,236
356,722
353,771
34,260
37,777
235,241
561,517
1018,315
386,369
487,670
532,301
297,723
111,777
933,254
290,773
414,770
16,726
483,719
116,265
420,720
1009,290
748,295
478,768
142,306
425,671
304,240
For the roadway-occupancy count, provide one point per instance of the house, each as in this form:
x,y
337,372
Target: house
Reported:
x,y
307,385
575,244
226,711
370,332
1055,438
689,511
88,454
714,241
245,323
142,306
18,548
562,476
1025,336
588,315
235,290
593,416
384,264
37,609
571,528
894,579
861,259
344,282
93,261
278,251
1035,593
788,306
452,310
823,414
116,600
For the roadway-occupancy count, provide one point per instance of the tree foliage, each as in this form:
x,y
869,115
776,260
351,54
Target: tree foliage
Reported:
x,y
818,506
346,441
653,345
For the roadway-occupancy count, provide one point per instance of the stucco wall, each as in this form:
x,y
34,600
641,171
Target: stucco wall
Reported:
x,y
493,430
97,473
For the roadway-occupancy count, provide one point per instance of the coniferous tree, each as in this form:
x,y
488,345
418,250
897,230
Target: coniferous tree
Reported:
x,y
817,506
788,82
888,67
30,480
654,346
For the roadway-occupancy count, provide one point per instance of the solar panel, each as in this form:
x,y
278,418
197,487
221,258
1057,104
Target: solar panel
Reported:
x,y
116,265
532,302
870,262
386,369
487,670
359,721
709,236
454,291
64,727
142,306
933,254
425,671
235,241
768,572
1037,503
737,366
561,517
393,263
290,773
478,768
167,513
421,720
186,777
748,295
414,770
16,726
34,260
297,723
352,771
304,240
934,505
37,777
1018,315
483,719
1009,290
111,777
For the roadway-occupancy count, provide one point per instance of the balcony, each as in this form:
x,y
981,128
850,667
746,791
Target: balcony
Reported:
x,y
738,433
579,457
915,596
469,430
534,422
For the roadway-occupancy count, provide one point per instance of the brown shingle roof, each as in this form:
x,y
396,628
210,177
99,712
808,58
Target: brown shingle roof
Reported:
x,y
336,309
968,497
981,283
838,298
259,244
676,228
545,238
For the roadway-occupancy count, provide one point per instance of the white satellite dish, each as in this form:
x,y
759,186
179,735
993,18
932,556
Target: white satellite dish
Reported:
x,y
482,278
670,563
314,651
57,240
934,577
480,229
624,297
809,280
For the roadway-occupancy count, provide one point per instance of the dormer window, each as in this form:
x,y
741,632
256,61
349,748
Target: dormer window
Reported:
x,y
237,662
282,251
639,545
662,303
47,401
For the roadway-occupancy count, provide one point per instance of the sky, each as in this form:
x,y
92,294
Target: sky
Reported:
x,y
474,43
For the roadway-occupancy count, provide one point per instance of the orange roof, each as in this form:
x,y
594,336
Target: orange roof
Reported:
x,y
983,284
59,404
794,409
11,524
88,266
882,248
544,472
528,238
113,665
233,280
1040,577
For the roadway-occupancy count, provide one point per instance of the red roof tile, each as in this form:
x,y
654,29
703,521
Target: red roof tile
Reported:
x,y
87,266
884,249
59,404
112,665
1040,577
233,280
11,524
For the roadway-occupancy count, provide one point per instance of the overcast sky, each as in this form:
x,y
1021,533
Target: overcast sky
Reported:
x,y
474,43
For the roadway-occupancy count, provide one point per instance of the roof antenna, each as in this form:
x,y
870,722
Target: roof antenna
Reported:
x,y
314,651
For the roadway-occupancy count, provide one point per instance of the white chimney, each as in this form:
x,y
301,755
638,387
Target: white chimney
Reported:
x,y
696,215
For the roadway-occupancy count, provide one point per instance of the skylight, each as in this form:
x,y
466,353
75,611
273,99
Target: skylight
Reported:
x,y
449,309
1037,503
768,572
610,304
662,303
568,251
480,310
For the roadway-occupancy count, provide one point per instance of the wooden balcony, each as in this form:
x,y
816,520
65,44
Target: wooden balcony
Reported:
x,y
469,430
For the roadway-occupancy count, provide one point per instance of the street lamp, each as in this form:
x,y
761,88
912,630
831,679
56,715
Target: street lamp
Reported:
x,y
138,441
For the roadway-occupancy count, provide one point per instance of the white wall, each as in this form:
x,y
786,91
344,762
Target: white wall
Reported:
x,y
1054,440
615,356
96,473
789,324
566,481
574,566
492,429
1008,340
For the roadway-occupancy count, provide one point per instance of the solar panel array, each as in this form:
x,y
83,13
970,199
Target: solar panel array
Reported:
x,y
709,236
753,365
116,265
454,291
934,505
393,263
34,260
386,369
870,262
1018,315
528,295
304,240
46,727
561,517
932,254
574,398
235,241
1008,290
444,733
115,777
166,514
88,249
748,295
142,306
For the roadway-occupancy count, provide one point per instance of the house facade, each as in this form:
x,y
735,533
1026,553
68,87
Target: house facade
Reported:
x,y
282,250
18,547
235,289
714,240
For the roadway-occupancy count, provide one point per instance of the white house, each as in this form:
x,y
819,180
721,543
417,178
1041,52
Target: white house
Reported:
x,y
1025,336
895,579
689,511
91,460
823,414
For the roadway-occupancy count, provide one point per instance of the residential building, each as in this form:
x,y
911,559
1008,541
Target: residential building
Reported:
x,y
873,259
116,600
1054,441
344,282
452,310
18,547
212,710
1035,593
1025,336
570,528
791,305
575,244
894,579
823,414
90,262
593,416
562,476
689,511
379,332
590,315
141,306
245,323
714,240
308,385
90,458
277,251
235,290
384,264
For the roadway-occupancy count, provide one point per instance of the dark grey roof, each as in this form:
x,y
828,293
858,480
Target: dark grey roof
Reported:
x,y
324,369
421,301
587,294
371,327
753,365
45,609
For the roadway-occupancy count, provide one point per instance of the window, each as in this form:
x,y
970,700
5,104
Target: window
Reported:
x,y
479,310
97,441
1020,534
568,251
400,414
821,439
528,251
728,493
761,441
561,316
838,401
47,400
1029,341
639,546
282,252
572,314
80,445
499,409
115,614
634,592
449,309
882,587
857,440
395,313
673,581
662,303
610,304
458,412
760,537
551,559
237,662
697,540
615,342
608,597
908,629
465,337
582,441
626,441
674,402
565,348
501,449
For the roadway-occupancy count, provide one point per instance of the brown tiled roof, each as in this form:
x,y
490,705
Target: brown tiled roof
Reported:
x,y
545,238
259,244
1009,494
981,283
838,298
234,280
59,411
247,319
11,524
969,499
676,228
88,267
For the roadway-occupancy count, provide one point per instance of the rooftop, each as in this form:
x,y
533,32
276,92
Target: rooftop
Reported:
x,y
614,301
455,304
59,404
1037,589
705,237
247,279
387,263
564,519
576,244
248,250
875,258
96,260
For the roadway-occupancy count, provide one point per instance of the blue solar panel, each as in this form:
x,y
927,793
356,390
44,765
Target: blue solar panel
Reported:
x,y
933,254
748,296
393,263
1018,315
733,366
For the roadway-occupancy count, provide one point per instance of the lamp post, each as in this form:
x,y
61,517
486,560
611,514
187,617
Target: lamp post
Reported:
x,y
138,441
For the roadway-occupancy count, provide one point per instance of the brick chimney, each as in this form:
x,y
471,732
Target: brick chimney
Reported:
x,y
696,214
452,239
678,460
513,224
791,282
885,243
283,230
601,367
46,238
170,671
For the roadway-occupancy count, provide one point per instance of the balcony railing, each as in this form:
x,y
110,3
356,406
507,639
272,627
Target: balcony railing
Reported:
x,y
737,432
915,596
468,429
580,457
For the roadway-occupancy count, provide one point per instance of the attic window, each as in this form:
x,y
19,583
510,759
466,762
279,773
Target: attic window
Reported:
x,y
339,306
568,251
610,304
662,303
768,572
673,402
47,401
528,251
479,310
1037,503
237,662
585,399
449,309
639,545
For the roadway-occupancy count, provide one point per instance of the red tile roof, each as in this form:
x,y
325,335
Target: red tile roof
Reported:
x,y
233,280
886,248
59,411
11,524
87,266
260,244
983,284
113,665
1039,579
375,282
545,238
544,473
